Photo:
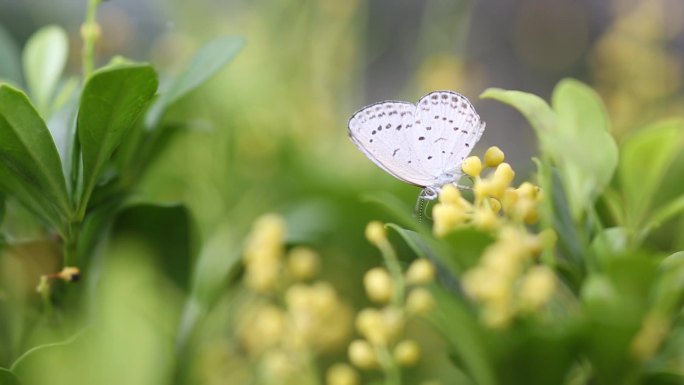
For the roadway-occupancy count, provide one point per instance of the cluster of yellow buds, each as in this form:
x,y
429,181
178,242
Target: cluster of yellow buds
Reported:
x,y
507,281
381,328
287,313
494,198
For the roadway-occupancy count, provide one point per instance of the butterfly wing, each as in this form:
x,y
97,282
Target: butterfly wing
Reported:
x,y
381,131
446,128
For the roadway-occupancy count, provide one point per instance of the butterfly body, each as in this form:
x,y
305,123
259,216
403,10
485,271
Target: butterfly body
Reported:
x,y
422,144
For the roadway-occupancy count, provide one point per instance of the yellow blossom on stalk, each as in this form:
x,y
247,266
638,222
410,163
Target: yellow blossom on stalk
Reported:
x,y
341,374
447,217
451,195
261,327
536,287
420,301
263,253
407,353
378,284
362,354
376,233
472,166
420,272
302,263
380,327
493,156
317,316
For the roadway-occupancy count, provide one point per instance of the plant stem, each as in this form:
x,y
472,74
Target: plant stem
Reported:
x,y
71,244
392,262
89,37
392,372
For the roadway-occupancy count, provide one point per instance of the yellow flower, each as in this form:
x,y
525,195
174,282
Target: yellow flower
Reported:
x,y
421,271
376,233
420,301
407,353
493,156
378,284
536,288
302,263
447,218
450,195
472,166
342,374
362,354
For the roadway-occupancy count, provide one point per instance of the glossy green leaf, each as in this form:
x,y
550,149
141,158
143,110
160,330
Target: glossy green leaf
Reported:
x,y
646,157
112,101
587,152
30,168
534,109
44,58
207,62
8,378
574,134
10,62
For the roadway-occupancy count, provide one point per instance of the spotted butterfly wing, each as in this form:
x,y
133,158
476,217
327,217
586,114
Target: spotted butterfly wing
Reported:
x,y
423,145
380,131
446,128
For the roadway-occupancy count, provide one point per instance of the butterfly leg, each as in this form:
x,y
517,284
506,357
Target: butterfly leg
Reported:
x,y
426,196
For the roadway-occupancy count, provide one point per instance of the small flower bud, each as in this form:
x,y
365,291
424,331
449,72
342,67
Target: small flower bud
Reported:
x,y
450,195
407,353
378,285
504,174
447,218
495,205
362,354
472,166
536,287
342,374
485,219
302,263
375,232
420,301
421,271
493,156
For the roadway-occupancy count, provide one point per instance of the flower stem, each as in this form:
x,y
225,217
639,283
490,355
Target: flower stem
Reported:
x,y
89,38
392,372
392,262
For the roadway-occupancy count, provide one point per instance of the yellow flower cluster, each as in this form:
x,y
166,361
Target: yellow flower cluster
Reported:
x,y
381,328
285,314
495,201
507,280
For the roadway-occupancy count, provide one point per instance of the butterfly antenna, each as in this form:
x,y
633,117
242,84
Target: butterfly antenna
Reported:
x,y
420,211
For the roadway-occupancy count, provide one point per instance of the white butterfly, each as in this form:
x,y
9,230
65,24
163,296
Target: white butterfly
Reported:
x,y
421,144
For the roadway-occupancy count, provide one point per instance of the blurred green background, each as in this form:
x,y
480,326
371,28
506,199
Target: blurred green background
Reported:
x,y
268,133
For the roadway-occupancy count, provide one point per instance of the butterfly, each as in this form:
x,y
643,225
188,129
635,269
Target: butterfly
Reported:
x,y
422,144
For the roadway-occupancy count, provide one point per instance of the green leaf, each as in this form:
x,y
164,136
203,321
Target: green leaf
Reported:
x,y
112,101
534,109
207,62
44,58
8,378
426,247
585,150
30,168
10,63
646,156
466,340
168,230
574,135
